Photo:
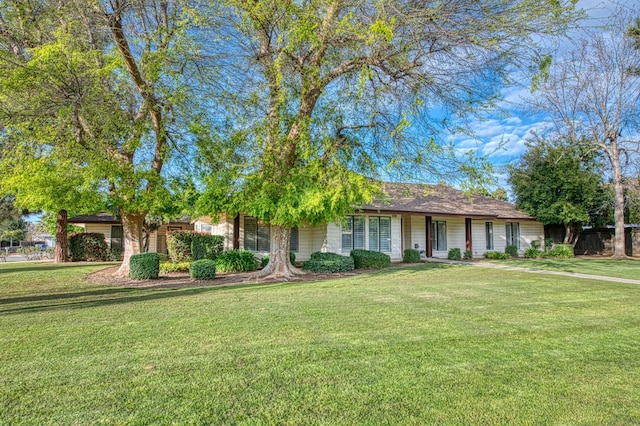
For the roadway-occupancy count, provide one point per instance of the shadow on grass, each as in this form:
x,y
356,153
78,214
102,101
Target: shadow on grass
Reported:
x,y
36,267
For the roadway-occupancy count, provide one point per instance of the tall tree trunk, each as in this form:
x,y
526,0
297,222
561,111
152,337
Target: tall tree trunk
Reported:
x,y
568,233
618,189
62,242
279,266
132,224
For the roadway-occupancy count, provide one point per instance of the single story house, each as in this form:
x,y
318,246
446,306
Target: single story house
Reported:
x,y
111,227
429,218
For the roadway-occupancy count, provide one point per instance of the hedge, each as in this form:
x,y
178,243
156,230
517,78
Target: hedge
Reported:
x,y
236,261
328,263
203,269
496,255
144,266
454,254
179,245
367,259
411,256
511,250
88,246
560,250
168,267
206,246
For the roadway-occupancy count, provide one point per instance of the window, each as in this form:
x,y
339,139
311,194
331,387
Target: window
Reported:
x,y
293,239
488,226
256,234
116,237
439,235
513,234
353,233
206,228
380,233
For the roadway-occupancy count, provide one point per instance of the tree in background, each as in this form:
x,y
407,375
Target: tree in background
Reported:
x,y
327,92
559,184
592,98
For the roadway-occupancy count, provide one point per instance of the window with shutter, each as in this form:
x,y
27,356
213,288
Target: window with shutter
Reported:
x,y
293,239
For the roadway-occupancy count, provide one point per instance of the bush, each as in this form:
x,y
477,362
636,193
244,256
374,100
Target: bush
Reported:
x,y
411,256
206,246
367,259
532,253
548,244
203,269
454,254
179,245
511,250
265,259
167,267
144,266
560,250
468,255
115,254
496,255
536,244
328,263
87,246
236,261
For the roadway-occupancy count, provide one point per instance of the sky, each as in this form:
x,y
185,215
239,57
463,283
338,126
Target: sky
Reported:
x,y
501,136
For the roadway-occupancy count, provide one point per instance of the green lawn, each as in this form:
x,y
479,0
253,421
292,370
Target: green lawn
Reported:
x,y
620,268
431,344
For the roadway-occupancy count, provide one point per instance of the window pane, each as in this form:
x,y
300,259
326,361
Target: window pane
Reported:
x,y
347,237
374,234
434,235
263,237
442,235
250,233
516,234
293,242
358,232
116,237
385,234
508,230
489,235
206,228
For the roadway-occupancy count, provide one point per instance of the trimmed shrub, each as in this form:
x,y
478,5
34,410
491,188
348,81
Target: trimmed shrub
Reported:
x,y
206,246
89,246
115,254
179,245
496,255
454,254
511,250
328,263
560,250
236,261
411,256
367,259
144,266
264,261
468,255
203,269
532,253
168,267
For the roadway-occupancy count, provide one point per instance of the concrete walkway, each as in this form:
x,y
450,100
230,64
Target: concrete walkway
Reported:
x,y
536,271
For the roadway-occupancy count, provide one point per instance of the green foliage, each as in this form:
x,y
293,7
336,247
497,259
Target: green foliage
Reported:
x,y
411,256
468,255
511,250
454,254
328,263
533,253
367,259
115,254
144,266
203,269
236,261
167,267
548,244
496,255
206,246
264,261
536,244
564,251
88,246
179,245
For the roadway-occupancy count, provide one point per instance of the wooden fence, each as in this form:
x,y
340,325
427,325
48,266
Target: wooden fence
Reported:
x,y
597,242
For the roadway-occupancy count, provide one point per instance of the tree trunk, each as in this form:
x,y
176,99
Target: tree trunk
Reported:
x,y
132,224
618,189
60,252
568,233
279,266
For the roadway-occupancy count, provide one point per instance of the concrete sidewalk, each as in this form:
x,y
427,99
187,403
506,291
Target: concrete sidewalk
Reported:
x,y
536,271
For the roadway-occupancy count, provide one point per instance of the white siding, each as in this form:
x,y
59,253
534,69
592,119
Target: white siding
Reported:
x,y
224,228
310,240
100,228
478,237
418,233
334,237
530,231
456,237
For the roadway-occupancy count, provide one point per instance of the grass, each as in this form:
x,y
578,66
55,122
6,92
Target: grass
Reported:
x,y
429,344
619,268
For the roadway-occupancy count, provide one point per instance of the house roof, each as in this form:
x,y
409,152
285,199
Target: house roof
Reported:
x,y
442,200
95,218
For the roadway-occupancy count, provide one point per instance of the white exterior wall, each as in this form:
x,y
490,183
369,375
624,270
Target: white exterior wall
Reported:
x,y
224,228
418,233
530,231
334,236
456,237
310,240
479,237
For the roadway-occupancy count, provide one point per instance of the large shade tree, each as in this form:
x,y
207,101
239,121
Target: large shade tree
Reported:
x,y
327,92
592,98
109,85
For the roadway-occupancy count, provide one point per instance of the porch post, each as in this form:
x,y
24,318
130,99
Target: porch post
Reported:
x,y
467,231
429,236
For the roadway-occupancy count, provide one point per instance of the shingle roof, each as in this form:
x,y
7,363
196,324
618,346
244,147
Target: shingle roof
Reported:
x,y
442,200
95,218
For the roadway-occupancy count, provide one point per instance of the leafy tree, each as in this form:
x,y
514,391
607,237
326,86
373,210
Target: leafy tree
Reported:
x,y
13,230
558,184
592,97
328,92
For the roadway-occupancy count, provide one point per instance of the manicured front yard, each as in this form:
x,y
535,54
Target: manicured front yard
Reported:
x,y
620,268
431,344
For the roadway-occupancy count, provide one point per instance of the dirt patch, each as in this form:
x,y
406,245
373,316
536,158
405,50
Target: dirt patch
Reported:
x,y
180,280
